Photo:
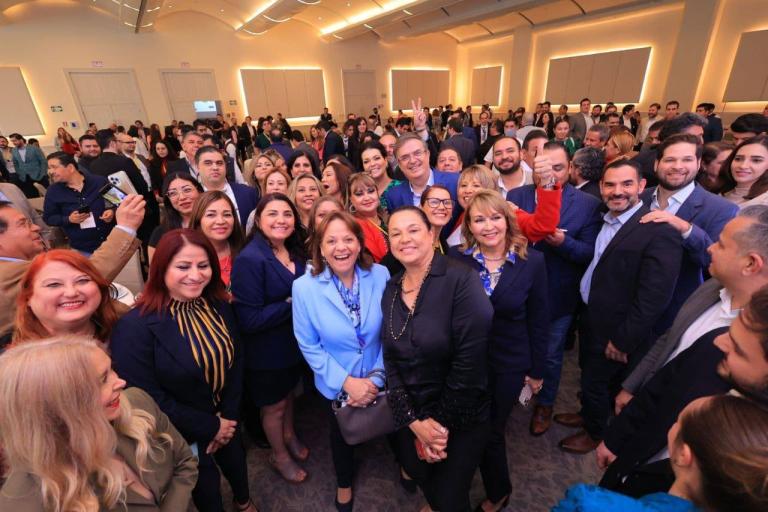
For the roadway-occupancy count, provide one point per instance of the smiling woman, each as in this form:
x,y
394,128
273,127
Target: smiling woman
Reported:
x,y
62,293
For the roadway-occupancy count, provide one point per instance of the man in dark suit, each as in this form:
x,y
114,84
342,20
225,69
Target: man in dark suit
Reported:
x,y
713,132
740,270
482,129
586,171
739,267
457,141
567,253
698,215
626,289
190,143
213,176
333,144
111,162
326,116
581,121
413,156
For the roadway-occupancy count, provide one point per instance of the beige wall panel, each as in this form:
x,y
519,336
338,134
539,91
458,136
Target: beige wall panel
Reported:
x,y
296,90
277,96
359,91
557,79
108,96
493,85
182,88
749,73
315,92
603,81
478,86
579,78
631,75
254,90
18,113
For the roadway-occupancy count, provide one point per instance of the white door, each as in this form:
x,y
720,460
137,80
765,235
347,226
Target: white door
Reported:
x,y
359,92
184,87
106,97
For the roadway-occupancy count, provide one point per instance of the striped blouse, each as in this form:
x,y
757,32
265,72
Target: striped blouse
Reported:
x,y
208,336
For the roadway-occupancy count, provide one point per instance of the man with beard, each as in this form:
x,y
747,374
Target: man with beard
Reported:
x,y
507,158
626,288
687,362
89,151
697,215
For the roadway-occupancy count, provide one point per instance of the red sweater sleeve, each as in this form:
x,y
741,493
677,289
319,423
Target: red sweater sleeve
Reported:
x,y
543,221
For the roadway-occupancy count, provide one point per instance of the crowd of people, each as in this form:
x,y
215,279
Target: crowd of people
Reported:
x,y
429,272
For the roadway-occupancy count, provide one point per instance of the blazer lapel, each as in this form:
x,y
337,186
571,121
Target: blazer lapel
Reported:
x,y
508,276
169,337
332,294
279,269
126,448
366,296
690,206
624,231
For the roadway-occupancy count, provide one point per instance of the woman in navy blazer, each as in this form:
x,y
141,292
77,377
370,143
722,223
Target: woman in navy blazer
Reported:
x,y
337,322
177,345
262,277
516,282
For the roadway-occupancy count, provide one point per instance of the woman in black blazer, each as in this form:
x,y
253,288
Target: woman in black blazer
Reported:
x,y
435,337
515,280
262,277
177,345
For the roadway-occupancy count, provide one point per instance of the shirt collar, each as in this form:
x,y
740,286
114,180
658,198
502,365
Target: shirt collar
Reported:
x,y
678,197
430,182
726,307
624,217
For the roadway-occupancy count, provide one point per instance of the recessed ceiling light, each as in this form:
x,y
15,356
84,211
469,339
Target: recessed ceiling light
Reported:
x,y
406,11
367,26
319,18
221,10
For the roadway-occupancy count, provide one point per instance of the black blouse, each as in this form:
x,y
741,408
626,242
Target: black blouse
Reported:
x,y
438,367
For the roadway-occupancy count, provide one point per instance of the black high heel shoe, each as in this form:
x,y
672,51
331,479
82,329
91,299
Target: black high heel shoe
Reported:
x,y
408,484
503,503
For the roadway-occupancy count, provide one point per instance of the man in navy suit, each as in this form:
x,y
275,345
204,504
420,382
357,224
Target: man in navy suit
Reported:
x,y
713,132
626,289
567,253
333,144
699,216
457,141
413,157
213,176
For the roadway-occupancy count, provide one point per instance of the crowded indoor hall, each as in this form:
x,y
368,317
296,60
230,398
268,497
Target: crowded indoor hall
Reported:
x,y
384,255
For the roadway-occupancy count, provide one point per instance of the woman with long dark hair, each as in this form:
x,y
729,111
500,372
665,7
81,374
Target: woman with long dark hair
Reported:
x,y
262,277
216,217
744,173
161,154
179,346
180,191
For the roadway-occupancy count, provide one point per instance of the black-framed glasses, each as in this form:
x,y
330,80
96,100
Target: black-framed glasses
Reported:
x,y
434,202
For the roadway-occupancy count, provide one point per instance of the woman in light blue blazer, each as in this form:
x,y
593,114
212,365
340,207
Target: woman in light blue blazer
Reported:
x,y
337,322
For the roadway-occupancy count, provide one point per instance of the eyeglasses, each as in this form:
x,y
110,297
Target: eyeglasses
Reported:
x,y
407,158
173,194
433,203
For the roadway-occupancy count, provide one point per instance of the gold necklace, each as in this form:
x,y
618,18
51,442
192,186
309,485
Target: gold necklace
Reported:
x,y
410,311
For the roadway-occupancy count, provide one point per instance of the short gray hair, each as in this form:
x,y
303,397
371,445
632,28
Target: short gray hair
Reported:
x,y
602,130
590,162
404,140
755,236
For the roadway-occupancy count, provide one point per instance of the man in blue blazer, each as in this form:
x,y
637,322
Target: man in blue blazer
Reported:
x,y
333,144
213,176
413,156
567,253
699,216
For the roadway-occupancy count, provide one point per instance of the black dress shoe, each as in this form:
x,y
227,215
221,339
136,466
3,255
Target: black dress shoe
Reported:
x,y
408,484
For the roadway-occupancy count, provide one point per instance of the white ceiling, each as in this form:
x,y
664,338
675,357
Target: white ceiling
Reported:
x,y
463,20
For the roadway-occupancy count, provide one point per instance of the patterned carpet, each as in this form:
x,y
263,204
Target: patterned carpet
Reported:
x,y
540,472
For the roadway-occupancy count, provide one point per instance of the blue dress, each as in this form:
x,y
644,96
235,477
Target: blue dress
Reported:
x,y
591,498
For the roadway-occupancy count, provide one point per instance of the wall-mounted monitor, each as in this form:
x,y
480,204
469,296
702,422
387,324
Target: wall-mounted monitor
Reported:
x,y
205,109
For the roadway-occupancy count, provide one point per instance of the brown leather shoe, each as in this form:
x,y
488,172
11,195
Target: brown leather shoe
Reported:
x,y
569,419
541,420
580,443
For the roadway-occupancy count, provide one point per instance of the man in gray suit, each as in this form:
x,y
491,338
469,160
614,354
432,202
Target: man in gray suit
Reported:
x,y
739,268
581,121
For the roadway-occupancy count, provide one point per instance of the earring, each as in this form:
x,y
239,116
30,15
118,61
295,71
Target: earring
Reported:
x,y
352,209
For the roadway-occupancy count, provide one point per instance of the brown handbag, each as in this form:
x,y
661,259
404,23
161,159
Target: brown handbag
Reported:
x,y
361,424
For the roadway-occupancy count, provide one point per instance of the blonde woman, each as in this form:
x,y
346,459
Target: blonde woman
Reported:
x,y
75,439
366,208
304,191
471,180
619,145
264,164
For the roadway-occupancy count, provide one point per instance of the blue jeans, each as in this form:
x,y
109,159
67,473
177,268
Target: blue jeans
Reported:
x,y
558,330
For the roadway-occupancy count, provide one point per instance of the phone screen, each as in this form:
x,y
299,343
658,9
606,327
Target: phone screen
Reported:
x,y
113,194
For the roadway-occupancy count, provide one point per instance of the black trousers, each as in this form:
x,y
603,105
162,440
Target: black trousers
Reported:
x,y
505,391
600,380
231,459
341,452
28,186
445,484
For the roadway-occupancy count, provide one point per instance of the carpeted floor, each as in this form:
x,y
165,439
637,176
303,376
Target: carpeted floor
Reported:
x,y
540,472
